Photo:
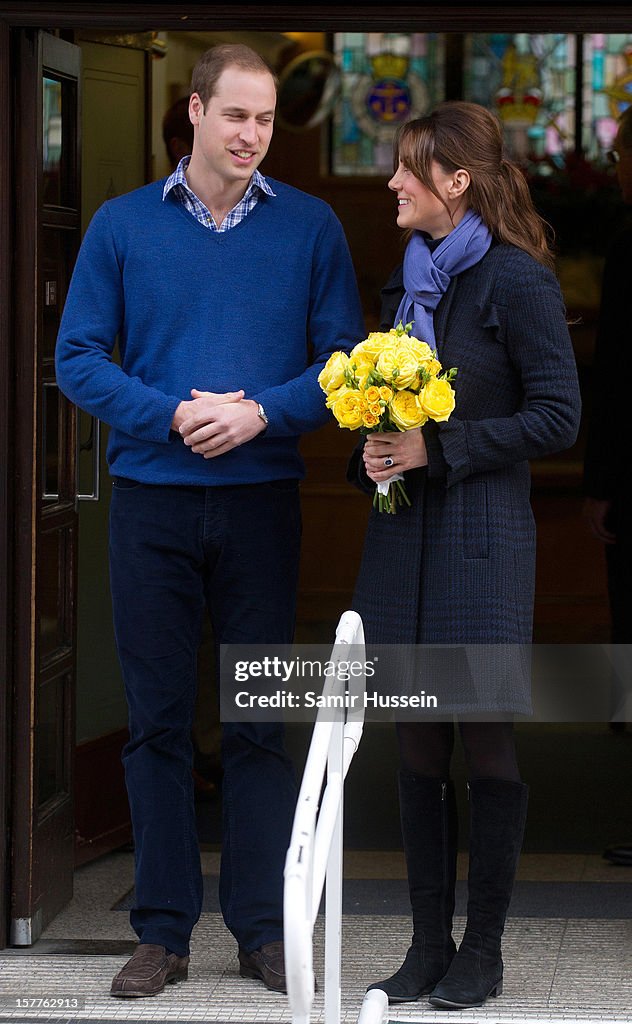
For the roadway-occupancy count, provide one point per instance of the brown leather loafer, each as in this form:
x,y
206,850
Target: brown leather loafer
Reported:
x,y
148,971
266,964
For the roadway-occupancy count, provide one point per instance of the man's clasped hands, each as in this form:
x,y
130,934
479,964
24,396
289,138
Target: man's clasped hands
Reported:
x,y
212,424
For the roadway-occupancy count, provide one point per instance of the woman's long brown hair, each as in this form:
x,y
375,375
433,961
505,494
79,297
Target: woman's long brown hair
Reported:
x,y
465,135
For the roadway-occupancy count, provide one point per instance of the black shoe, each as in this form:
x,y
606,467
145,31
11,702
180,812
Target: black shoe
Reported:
x,y
620,854
266,964
472,977
415,978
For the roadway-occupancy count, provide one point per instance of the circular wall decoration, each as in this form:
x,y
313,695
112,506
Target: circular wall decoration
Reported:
x,y
308,89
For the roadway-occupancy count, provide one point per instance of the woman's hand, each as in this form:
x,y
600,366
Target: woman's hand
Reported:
x,y
407,450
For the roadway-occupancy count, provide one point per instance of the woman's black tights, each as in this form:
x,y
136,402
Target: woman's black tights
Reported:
x,y
489,747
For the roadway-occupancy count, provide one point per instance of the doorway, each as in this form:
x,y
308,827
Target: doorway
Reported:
x,y
116,158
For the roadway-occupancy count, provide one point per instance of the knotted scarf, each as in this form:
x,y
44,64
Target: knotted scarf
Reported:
x,y
427,274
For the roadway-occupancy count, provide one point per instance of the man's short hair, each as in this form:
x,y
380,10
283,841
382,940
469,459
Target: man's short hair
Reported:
x,y
214,62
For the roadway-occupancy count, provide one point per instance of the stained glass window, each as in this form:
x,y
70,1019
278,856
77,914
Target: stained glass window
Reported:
x,y
387,78
529,80
607,89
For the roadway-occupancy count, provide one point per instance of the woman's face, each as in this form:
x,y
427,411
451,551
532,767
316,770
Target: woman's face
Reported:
x,y
419,208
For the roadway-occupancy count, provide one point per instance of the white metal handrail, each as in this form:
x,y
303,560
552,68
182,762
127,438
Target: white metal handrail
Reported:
x,y
315,852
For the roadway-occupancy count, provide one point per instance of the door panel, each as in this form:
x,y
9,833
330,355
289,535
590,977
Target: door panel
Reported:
x,y
48,215
114,102
6,449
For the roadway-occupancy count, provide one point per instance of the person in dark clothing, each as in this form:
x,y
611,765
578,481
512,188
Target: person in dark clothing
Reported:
x,y
607,484
477,283
177,131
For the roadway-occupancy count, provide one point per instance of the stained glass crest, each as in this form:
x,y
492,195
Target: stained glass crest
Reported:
x,y
388,78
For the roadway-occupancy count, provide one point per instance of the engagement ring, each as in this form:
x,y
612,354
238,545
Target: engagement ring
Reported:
x,y
388,461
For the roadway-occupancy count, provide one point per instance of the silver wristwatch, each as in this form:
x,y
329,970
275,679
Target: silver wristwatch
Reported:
x,y
261,413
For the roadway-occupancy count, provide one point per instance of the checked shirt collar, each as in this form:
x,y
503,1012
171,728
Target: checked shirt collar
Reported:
x,y
177,183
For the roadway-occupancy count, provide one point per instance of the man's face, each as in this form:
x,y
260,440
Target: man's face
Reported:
x,y
233,134
624,168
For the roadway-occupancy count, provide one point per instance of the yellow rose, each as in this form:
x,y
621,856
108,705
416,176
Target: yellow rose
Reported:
x,y
372,395
333,396
437,399
332,375
376,409
349,408
369,419
421,349
432,366
361,367
386,393
406,412
407,366
361,351
398,364
387,360
371,347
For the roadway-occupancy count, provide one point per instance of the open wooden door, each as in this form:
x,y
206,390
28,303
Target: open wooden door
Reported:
x,y
47,221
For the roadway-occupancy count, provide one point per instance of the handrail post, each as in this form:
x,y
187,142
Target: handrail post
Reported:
x,y
315,854
333,883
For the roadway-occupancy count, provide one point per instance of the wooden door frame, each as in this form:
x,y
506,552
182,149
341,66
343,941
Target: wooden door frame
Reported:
x,y
196,16
24,357
6,474
42,850
579,16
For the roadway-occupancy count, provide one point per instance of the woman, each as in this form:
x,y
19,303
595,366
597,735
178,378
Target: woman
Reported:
x,y
477,283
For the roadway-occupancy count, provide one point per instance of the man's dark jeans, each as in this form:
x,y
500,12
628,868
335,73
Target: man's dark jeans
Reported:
x,y
173,550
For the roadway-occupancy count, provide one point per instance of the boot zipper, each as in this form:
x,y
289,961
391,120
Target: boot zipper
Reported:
x,y
444,838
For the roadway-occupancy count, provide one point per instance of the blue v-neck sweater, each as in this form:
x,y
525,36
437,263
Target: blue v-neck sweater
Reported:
x,y
260,307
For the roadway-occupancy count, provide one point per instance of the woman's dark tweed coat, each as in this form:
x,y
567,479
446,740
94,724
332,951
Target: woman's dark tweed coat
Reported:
x,y
459,566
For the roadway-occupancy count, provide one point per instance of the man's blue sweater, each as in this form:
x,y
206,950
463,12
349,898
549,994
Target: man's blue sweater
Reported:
x,y
259,307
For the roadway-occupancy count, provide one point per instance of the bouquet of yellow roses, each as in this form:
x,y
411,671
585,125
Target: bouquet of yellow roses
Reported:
x,y
390,381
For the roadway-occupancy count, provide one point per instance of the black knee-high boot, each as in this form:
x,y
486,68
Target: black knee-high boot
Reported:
x,y
429,830
498,811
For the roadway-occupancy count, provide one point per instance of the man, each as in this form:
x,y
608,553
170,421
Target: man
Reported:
x,y
177,135
607,481
215,281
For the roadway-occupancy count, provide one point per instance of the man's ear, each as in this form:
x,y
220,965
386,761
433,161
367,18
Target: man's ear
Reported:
x,y
196,109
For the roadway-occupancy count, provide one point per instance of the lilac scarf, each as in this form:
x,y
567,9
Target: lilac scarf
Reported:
x,y
427,274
